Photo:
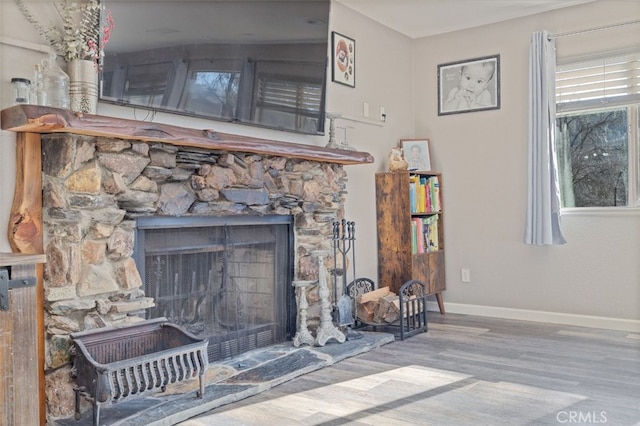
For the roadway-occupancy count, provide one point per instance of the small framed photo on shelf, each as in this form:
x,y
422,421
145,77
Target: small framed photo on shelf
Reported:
x,y
343,68
416,153
468,86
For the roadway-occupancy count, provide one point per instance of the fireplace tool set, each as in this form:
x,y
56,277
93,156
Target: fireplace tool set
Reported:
x,y
344,238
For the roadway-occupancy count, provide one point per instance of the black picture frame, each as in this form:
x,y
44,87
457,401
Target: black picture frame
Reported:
x,y
469,86
343,59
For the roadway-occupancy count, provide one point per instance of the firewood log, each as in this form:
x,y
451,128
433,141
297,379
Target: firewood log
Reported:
x,y
374,295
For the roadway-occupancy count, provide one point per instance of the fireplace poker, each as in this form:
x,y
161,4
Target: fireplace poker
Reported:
x,y
352,334
344,242
335,314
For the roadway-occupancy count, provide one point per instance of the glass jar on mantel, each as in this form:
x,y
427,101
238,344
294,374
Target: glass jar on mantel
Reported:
x,y
83,85
55,83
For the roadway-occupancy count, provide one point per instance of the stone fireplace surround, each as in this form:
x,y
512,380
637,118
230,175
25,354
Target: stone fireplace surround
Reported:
x,y
99,174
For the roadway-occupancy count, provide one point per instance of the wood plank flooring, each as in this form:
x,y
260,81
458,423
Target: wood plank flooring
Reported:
x,y
466,370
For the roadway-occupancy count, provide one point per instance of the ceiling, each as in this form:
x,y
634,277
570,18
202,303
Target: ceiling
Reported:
x,y
421,18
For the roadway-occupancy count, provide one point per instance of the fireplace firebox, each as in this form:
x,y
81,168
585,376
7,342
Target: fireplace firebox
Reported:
x,y
227,279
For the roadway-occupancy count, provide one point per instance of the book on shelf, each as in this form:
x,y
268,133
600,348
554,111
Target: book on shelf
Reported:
x,y
414,238
413,203
424,194
431,234
424,234
420,241
435,193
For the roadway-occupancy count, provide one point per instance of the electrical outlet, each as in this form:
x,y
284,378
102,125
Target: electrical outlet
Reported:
x,y
365,109
465,275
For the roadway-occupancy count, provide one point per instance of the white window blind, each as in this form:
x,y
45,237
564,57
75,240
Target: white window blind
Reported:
x,y
300,98
598,82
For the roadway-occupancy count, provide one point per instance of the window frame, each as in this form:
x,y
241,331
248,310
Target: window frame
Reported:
x,y
631,102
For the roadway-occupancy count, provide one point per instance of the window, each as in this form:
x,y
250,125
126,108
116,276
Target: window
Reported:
x,y
213,92
597,132
289,103
211,88
143,84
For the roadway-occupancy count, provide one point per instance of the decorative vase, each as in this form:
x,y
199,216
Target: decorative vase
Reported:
x,y
83,86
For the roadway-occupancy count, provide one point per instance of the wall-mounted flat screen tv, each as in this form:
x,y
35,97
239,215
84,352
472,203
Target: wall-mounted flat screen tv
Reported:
x,y
261,62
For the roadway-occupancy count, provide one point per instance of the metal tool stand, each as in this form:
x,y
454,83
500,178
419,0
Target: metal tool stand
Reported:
x,y
344,237
303,335
326,330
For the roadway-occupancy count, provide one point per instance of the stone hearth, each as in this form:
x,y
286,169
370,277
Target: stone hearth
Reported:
x,y
231,381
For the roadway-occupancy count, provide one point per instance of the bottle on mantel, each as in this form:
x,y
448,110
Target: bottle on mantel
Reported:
x,y
55,83
38,95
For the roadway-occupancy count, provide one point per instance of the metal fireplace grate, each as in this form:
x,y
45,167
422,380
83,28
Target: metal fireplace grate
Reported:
x,y
228,283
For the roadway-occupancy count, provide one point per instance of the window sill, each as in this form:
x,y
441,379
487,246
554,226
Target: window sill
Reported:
x,y
600,211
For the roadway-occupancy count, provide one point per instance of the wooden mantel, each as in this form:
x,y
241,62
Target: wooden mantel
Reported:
x,y
40,119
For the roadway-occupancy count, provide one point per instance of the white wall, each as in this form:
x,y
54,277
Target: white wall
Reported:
x,y
19,51
383,78
483,157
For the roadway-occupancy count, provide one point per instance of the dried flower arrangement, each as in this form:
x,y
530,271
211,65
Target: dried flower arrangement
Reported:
x,y
86,28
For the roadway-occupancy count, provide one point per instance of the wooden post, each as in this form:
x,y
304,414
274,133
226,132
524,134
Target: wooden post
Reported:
x,y
20,387
25,233
25,221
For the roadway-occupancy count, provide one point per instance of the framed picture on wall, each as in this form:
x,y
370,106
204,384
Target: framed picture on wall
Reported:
x,y
470,85
416,153
343,69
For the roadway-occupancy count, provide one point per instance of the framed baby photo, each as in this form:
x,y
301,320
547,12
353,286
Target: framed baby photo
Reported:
x,y
343,69
469,86
416,153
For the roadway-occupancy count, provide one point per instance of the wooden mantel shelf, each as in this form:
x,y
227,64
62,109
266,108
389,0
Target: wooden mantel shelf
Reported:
x,y
40,119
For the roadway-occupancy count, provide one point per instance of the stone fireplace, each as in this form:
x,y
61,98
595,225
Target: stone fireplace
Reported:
x,y
142,220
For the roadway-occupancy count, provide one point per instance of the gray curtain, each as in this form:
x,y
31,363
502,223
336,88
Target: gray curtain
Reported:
x,y
543,202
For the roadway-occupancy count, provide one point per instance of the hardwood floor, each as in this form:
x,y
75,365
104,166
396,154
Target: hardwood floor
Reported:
x,y
465,371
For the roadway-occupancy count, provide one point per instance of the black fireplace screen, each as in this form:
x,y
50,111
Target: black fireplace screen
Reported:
x,y
225,279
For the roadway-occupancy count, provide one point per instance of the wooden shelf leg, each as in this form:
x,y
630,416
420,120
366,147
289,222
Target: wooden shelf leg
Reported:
x,y
440,302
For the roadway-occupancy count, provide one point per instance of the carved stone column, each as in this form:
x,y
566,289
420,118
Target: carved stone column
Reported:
x,y
303,335
327,330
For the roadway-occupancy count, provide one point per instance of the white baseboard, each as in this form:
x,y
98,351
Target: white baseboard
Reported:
x,y
540,316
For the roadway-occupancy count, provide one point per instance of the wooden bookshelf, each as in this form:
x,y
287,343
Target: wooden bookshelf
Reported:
x,y
399,260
